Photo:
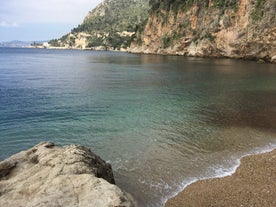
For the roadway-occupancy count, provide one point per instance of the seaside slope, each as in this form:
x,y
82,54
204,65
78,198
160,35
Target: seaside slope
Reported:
x,y
253,184
109,26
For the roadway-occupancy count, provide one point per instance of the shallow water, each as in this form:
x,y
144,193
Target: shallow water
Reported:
x,y
161,121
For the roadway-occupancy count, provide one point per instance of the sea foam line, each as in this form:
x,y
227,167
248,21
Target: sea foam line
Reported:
x,y
222,172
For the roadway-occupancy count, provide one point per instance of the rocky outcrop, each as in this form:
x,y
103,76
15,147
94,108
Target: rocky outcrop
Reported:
x,y
51,176
231,28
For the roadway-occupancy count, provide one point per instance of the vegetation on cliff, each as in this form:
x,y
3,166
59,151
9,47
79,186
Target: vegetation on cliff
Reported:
x,y
176,5
109,26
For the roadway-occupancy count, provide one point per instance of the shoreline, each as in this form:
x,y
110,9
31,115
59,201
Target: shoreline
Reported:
x,y
254,59
220,189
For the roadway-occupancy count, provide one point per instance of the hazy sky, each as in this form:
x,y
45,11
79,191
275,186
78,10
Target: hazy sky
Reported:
x,y
30,20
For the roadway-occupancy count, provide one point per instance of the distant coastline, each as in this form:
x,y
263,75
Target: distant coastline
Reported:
x,y
22,44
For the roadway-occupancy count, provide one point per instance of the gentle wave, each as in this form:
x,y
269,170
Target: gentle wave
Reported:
x,y
219,171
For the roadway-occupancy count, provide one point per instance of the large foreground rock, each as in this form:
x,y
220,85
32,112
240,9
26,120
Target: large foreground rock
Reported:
x,y
47,175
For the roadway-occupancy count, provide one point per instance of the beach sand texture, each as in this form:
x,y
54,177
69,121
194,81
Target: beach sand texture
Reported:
x,y
253,184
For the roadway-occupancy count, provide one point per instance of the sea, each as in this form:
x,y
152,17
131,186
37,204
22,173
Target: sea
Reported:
x,y
162,122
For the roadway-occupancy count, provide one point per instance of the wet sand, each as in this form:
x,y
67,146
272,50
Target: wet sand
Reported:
x,y
253,184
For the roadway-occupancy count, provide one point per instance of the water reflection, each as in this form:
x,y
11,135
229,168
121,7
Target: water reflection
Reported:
x,y
243,109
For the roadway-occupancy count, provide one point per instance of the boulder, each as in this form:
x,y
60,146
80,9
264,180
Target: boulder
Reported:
x,y
273,59
51,176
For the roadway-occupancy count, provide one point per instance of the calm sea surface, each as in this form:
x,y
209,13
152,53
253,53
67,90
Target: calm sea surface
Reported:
x,y
161,121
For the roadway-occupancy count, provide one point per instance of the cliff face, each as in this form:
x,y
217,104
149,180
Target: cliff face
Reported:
x,y
231,28
109,26
47,175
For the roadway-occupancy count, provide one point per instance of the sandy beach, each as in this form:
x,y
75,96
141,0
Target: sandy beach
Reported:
x,y
253,184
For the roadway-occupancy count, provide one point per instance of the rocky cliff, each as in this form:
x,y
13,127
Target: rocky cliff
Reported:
x,y
51,176
213,28
109,26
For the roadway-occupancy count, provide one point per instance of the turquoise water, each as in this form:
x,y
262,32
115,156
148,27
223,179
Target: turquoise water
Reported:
x,y
161,121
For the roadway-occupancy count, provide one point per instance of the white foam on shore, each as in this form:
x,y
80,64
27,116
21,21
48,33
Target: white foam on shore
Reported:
x,y
219,171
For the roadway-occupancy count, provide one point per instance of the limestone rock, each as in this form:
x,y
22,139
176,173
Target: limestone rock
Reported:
x,y
232,28
51,176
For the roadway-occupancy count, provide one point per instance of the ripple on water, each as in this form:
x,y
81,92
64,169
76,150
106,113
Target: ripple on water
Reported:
x,y
161,121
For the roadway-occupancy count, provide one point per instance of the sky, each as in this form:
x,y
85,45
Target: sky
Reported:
x,y
35,20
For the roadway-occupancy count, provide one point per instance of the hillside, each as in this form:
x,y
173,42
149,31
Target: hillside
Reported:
x,y
109,26
217,28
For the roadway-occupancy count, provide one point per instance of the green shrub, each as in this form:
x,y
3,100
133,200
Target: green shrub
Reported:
x,y
258,10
